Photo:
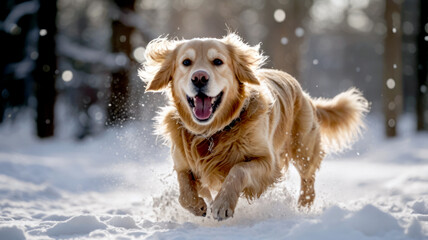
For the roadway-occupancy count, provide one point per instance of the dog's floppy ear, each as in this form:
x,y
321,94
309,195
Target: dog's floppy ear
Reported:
x,y
159,66
246,59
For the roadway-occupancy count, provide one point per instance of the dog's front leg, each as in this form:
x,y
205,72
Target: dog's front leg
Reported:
x,y
189,197
243,175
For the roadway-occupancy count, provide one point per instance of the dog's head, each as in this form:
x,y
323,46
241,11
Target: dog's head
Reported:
x,y
207,77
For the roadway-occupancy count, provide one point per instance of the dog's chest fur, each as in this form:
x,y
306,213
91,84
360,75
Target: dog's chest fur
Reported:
x,y
211,158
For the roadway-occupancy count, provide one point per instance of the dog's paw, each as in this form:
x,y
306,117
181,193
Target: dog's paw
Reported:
x,y
222,209
200,209
306,201
197,207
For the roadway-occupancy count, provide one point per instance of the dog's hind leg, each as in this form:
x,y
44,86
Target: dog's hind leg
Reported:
x,y
307,158
307,192
307,181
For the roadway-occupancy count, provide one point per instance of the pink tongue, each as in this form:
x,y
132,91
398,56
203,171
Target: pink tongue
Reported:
x,y
202,108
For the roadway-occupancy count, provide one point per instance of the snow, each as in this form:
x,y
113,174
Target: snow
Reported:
x,y
124,222
78,225
20,10
120,185
11,233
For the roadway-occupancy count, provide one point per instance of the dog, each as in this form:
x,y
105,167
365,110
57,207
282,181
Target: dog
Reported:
x,y
234,126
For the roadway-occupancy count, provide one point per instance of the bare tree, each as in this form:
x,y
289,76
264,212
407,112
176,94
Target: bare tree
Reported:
x,y
46,65
17,32
392,70
118,107
422,66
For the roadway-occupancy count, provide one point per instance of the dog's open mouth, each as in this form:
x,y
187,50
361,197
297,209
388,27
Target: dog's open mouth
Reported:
x,y
203,106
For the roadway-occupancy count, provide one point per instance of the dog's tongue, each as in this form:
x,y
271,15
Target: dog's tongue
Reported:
x,y
202,107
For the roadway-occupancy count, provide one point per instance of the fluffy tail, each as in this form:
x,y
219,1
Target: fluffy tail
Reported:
x,y
341,119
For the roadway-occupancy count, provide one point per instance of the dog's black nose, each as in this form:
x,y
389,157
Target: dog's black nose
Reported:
x,y
200,78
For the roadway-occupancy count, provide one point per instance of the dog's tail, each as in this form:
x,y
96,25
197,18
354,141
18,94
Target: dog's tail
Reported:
x,y
341,119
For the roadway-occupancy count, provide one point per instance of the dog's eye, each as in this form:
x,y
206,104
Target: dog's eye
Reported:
x,y
187,62
217,62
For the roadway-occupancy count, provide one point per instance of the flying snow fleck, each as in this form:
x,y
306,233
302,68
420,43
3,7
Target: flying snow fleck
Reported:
x,y
67,76
34,55
299,32
315,61
139,54
279,15
95,112
121,60
394,30
284,41
43,32
391,122
390,83
426,38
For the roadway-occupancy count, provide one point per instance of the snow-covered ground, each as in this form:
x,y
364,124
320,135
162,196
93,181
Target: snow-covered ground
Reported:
x,y
120,185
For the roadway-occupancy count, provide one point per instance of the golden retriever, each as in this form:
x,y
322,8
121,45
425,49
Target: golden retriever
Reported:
x,y
233,126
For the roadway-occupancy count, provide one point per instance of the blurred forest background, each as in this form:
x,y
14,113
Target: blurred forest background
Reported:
x,y
74,63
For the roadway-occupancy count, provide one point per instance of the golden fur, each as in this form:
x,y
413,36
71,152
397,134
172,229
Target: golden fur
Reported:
x,y
264,122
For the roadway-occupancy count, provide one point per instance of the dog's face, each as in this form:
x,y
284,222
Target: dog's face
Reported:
x,y
207,77
203,75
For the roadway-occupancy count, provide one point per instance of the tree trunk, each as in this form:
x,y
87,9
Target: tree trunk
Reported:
x,y
46,65
14,88
392,70
422,66
286,38
118,107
